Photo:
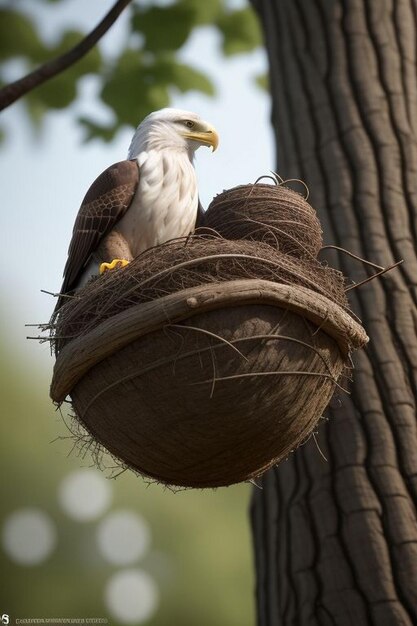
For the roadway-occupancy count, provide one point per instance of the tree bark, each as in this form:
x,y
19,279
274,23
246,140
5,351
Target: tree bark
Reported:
x,y
336,539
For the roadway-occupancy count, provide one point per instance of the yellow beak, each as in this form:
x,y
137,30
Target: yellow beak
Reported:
x,y
207,137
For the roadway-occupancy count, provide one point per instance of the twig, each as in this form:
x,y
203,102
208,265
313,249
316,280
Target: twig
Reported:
x,y
19,88
254,483
59,295
318,447
354,256
274,180
210,334
289,373
52,339
213,360
298,180
249,374
387,269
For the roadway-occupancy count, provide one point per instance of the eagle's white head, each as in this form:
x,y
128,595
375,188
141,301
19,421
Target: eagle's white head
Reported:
x,y
173,129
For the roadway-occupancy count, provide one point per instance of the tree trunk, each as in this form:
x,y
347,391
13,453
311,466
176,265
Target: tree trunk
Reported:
x,y
336,539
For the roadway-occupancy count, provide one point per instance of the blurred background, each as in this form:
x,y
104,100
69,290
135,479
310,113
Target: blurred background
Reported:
x,y
74,542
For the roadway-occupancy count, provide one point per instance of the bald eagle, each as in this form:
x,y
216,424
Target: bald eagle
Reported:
x,y
148,199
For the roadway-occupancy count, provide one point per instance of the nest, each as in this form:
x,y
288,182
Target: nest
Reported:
x,y
207,360
250,212
181,264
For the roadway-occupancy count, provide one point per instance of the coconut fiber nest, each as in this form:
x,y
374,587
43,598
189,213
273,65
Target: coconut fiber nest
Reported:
x,y
207,360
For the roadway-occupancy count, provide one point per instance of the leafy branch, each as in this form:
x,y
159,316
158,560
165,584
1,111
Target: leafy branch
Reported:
x,y
15,90
138,79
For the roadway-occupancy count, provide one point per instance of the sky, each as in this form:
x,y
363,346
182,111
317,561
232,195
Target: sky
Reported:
x,y
43,179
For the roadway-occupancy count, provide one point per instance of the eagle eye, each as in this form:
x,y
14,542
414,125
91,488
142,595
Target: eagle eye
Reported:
x,y
189,123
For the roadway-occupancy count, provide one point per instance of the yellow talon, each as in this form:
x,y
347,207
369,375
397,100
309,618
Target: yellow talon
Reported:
x,y
116,263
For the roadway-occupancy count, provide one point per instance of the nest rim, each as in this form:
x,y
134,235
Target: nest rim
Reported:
x,y
83,352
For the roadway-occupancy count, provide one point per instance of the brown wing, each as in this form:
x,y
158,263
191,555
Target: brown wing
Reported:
x,y
105,203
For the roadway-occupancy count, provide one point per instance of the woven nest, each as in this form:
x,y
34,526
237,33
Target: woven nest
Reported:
x,y
205,361
250,212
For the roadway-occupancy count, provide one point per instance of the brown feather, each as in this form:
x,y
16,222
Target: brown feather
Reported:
x,y
106,201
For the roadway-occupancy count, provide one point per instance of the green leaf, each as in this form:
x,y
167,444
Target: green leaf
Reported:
x,y
36,109
18,36
167,28
241,31
132,89
57,93
157,97
88,64
186,78
205,12
139,83
61,91
262,80
167,71
164,28
97,131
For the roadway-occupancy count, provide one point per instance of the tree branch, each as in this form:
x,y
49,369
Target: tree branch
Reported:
x,y
19,88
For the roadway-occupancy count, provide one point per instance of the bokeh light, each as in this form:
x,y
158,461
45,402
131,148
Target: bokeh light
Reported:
x,y
123,537
131,596
29,536
85,494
